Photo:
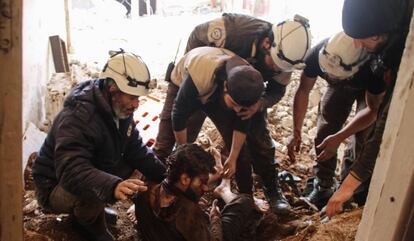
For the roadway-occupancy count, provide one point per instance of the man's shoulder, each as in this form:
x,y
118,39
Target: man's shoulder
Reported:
x,y
81,111
85,104
239,17
188,209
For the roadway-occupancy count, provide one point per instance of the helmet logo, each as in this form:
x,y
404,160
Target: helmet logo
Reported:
x,y
216,34
129,132
336,60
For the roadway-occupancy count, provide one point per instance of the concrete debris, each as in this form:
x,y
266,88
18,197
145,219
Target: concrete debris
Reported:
x,y
32,140
31,207
58,87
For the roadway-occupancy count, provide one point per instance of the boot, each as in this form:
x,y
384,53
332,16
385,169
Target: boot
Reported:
x,y
323,189
277,202
96,231
274,195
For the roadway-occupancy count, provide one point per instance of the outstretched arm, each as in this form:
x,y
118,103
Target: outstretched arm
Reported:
x,y
343,194
184,104
362,120
236,145
300,106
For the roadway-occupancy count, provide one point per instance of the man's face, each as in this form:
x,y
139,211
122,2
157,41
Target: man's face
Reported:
x,y
372,44
198,186
264,59
124,105
231,104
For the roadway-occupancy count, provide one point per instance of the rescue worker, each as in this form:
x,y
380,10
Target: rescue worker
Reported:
x,y
349,79
93,147
382,28
221,84
275,51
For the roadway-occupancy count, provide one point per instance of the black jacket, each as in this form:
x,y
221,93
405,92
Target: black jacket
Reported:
x,y
86,153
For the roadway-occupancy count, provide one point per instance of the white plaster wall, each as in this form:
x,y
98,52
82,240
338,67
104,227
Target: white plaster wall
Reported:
x,y
41,19
325,16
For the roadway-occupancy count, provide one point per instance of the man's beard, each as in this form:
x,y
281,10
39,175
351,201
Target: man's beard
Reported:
x,y
118,112
260,58
190,194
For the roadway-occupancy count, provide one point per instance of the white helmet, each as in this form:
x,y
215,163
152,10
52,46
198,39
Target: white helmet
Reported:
x,y
129,72
339,58
292,41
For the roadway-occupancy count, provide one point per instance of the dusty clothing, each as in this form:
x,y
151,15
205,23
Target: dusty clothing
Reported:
x,y
363,166
385,66
165,140
61,201
243,35
191,97
237,32
201,64
335,107
200,75
184,220
86,153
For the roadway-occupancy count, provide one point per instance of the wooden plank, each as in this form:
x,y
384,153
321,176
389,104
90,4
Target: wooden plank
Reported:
x,y
68,7
409,232
11,188
392,186
60,57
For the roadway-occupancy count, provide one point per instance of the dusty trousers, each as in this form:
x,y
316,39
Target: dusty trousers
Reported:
x,y
58,200
333,111
165,139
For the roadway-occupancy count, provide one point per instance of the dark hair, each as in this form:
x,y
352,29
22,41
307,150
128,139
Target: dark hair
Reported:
x,y
108,82
190,159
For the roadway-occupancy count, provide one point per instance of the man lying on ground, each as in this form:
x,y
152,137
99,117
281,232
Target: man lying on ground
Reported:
x,y
170,211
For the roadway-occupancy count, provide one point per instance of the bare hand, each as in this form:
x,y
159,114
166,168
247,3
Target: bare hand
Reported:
x,y
217,157
336,202
328,147
293,146
229,168
215,211
218,167
129,187
216,176
248,112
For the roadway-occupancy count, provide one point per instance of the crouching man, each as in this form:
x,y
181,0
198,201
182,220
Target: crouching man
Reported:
x,y
93,147
170,212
